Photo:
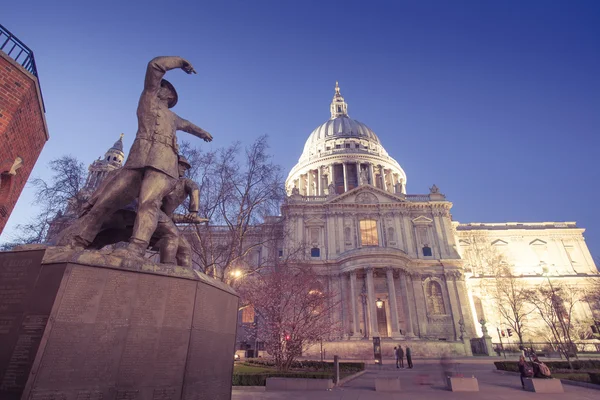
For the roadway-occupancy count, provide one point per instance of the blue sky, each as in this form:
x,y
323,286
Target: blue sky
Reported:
x,y
495,102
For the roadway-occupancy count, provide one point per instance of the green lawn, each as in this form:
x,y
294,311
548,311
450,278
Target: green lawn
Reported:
x,y
243,368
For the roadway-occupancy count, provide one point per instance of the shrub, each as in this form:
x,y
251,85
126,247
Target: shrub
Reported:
x,y
553,365
261,379
595,377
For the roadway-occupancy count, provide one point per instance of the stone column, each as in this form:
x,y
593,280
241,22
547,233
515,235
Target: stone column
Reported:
x,y
319,181
406,304
371,175
371,302
420,304
353,309
345,177
330,180
455,309
393,302
382,174
358,181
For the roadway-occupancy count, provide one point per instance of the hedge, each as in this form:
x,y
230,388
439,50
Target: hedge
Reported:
x,y
313,365
553,365
595,377
314,370
261,379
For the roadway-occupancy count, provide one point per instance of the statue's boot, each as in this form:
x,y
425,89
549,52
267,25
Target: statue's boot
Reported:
x,y
134,250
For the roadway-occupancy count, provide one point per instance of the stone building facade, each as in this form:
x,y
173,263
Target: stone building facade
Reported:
x,y
397,260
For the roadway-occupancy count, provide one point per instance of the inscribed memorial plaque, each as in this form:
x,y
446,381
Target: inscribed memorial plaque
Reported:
x,y
27,293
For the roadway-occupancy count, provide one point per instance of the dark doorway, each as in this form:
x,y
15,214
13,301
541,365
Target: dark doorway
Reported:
x,y
382,321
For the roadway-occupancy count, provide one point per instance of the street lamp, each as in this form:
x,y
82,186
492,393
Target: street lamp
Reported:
x,y
379,303
236,273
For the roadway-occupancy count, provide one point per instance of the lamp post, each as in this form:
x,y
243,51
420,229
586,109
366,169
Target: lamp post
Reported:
x,y
379,303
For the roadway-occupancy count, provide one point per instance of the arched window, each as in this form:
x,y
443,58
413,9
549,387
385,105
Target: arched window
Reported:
x,y
435,298
427,251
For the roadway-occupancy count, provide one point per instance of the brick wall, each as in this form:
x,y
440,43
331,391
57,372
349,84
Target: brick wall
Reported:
x,y
23,131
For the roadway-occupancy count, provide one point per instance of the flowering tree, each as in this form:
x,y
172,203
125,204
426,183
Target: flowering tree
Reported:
x,y
293,306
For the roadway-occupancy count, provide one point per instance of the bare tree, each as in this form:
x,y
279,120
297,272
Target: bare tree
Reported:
x,y
512,296
293,307
555,304
240,193
498,281
60,196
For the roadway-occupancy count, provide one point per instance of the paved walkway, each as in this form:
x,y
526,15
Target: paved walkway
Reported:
x,y
492,386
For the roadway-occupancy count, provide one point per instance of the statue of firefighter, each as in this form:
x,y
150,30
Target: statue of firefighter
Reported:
x,y
150,172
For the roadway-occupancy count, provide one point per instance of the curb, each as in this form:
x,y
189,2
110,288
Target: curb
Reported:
x,y
249,388
347,379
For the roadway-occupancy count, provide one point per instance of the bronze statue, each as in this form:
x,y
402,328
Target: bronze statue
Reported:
x,y
149,173
174,247
167,238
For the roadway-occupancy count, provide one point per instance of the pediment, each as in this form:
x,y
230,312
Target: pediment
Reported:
x,y
421,219
499,242
366,194
314,221
537,242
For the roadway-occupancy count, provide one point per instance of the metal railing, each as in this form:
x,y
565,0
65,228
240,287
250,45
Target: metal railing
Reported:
x,y
17,50
22,54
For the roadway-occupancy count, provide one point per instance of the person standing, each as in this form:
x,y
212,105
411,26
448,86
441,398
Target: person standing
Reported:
x,y
409,357
396,355
401,357
525,370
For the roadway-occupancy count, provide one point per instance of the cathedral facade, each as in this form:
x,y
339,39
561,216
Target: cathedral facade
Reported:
x,y
403,270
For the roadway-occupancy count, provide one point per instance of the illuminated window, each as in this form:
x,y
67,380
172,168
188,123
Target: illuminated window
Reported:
x,y
368,232
248,315
435,298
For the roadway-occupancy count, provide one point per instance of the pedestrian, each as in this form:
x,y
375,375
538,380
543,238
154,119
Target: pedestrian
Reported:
x,y
540,370
409,357
525,370
401,356
396,355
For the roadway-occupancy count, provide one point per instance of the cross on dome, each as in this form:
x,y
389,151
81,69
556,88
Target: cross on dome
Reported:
x,y
339,108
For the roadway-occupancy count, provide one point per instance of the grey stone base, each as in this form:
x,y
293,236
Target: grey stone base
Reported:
x,y
387,384
543,385
363,349
462,384
112,330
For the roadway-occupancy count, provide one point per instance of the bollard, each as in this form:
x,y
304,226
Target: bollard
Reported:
x,y
336,368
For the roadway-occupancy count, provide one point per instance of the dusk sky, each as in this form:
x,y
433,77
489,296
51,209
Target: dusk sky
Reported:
x,y
497,103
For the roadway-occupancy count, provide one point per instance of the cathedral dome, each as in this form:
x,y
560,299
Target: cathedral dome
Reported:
x,y
347,145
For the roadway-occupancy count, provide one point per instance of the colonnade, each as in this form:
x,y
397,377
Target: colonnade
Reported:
x,y
365,302
346,176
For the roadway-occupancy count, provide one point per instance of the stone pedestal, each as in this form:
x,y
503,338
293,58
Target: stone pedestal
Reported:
x,y
543,385
456,384
489,347
77,325
387,384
